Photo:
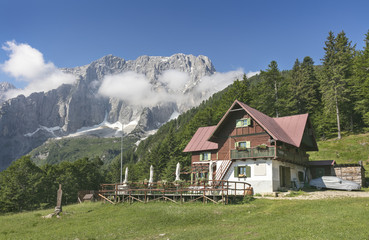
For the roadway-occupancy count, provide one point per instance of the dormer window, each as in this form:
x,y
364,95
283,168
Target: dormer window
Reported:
x,y
244,122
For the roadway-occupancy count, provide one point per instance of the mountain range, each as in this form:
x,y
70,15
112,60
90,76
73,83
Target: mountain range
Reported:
x,y
94,105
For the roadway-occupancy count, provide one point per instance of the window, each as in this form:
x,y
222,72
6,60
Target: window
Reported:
x,y
243,145
242,171
244,122
205,156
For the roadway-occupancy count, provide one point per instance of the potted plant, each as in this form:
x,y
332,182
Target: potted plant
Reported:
x,y
262,146
241,148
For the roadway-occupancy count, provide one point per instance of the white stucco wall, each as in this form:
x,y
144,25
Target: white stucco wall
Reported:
x,y
260,184
264,183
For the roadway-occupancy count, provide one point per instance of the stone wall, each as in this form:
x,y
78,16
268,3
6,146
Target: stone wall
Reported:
x,y
355,173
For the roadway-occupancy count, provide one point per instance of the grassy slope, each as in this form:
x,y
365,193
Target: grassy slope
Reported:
x,y
350,149
261,219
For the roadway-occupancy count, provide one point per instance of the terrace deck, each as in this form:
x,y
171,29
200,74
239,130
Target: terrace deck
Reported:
x,y
215,192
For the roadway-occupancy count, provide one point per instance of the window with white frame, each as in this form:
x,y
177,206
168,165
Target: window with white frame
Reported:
x,y
244,122
242,171
243,144
205,156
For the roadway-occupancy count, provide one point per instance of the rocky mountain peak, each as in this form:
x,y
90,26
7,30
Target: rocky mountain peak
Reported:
x,y
4,87
27,122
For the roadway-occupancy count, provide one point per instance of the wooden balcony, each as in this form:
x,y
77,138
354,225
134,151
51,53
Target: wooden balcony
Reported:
x,y
292,155
252,153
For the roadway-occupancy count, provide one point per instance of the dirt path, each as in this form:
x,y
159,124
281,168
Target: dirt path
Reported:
x,y
321,195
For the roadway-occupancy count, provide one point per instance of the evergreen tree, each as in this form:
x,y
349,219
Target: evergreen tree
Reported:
x,y
270,92
294,101
337,64
309,86
361,81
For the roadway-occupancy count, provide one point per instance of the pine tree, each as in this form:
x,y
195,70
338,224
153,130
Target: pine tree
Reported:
x,y
337,64
309,87
294,101
361,81
270,92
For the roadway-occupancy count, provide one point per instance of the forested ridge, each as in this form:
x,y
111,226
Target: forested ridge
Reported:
x,y
335,94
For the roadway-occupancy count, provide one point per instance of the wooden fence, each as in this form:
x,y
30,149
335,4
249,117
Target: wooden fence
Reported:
x,y
217,191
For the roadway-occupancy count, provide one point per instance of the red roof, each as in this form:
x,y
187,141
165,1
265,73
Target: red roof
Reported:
x,y
293,126
288,129
199,141
269,124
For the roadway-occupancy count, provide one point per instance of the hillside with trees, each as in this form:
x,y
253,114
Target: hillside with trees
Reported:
x,y
335,94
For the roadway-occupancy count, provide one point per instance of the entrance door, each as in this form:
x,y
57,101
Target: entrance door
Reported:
x,y
285,176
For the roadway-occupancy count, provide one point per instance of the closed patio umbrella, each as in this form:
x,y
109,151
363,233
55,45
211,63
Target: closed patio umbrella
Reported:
x,y
178,171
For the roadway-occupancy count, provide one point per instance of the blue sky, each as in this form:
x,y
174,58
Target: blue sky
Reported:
x,y
233,34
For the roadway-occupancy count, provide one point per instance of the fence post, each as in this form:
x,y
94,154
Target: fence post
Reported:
x,y
116,192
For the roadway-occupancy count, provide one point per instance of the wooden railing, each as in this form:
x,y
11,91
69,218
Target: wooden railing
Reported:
x,y
252,153
292,155
141,191
223,168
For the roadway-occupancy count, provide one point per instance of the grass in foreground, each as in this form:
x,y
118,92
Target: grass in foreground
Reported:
x,y
261,219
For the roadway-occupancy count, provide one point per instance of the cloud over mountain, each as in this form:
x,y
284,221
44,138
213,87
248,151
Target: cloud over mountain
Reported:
x,y
136,89
27,64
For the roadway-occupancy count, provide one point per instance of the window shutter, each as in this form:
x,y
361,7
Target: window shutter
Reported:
x,y
235,171
239,123
236,144
248,121
201,156
248,144
248,171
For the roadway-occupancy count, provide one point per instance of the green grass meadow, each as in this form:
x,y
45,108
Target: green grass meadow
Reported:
x,y
346,218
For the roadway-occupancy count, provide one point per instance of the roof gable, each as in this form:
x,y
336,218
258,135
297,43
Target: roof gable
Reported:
x,y
289,129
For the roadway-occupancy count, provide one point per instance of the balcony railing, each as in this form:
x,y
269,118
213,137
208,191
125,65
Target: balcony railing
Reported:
x,y
282,154
292,155
252,153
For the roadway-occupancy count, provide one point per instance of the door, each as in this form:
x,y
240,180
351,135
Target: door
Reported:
x,y
285,176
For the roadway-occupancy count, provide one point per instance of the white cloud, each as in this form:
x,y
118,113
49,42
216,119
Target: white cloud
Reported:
x,y
136,89
27,64
132,87
218,81
174,79
251,74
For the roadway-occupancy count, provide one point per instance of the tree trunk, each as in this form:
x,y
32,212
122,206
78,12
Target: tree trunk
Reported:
x,y
276,98
338,115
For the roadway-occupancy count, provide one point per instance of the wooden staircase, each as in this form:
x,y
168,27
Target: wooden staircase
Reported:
x,y
223,168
